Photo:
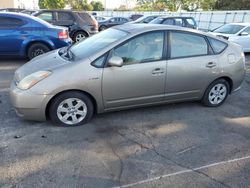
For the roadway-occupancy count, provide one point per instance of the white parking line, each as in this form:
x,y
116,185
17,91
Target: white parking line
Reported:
x,y
184,171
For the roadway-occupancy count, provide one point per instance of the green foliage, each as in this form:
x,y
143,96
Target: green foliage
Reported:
x,y
174,5
97,5
232,5
51,4
80,5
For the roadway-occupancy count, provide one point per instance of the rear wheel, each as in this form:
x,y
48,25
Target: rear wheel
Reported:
x,y
37,49
79,36
102,28
71,109
216,93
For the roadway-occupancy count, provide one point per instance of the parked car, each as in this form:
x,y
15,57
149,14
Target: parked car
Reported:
x,y
29,12
134,17
100,18
81,24
144,19
11,10
28,36
235,32
124,67
177,21
112,22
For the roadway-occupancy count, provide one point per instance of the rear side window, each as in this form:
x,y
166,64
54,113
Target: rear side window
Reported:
x,y
178,22
187,45
47,16
9,22
86,17
218,46
65,16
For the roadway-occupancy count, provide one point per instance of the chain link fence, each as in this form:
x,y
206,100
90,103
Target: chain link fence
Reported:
x,y
206,21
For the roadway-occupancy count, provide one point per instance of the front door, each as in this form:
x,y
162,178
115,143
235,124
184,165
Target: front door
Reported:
x,y
141,79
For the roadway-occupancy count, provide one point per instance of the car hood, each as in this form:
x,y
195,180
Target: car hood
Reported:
x,y
48,61
221,34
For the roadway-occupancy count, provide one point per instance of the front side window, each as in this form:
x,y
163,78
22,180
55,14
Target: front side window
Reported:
x,y
168,22
178,22
247,30
144,48
187,45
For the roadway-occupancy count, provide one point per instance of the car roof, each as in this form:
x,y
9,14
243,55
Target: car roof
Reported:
x,y
15,14
176,17
134,28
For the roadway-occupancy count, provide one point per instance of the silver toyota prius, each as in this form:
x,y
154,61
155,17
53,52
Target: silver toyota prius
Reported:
x,y
124,67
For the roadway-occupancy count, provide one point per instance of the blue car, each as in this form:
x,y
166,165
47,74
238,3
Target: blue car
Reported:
x,y
27,36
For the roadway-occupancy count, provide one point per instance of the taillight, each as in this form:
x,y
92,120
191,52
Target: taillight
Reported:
x,y
63,34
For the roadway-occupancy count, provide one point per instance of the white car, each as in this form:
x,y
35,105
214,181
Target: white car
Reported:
x,y
235,32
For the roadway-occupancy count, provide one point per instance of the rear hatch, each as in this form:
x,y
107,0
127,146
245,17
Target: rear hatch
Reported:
x,y
89,19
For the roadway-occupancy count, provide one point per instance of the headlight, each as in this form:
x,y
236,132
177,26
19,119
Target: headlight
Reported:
x,y
32,79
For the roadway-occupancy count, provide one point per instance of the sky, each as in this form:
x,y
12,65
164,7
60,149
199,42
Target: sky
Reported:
x,y
111,4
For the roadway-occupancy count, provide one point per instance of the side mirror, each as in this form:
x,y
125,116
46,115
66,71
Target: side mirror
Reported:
x,y
115,61
244,34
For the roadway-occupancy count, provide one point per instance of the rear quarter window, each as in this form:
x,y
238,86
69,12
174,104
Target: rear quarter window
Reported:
x,y
217,45
9,22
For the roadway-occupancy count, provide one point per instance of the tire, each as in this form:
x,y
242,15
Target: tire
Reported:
x,y
102,28
216,93
71,109
37,49
79,36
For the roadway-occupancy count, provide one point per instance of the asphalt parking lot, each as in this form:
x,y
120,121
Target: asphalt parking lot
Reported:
x,y
176,145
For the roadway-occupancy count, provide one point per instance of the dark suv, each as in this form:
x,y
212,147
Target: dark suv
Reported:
x,y
178,21
80,24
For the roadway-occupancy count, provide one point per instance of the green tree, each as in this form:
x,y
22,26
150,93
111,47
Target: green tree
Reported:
x,y
97,5
51,4
80,5
232,5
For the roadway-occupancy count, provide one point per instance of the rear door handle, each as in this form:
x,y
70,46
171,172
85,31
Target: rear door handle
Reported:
x,y
158,71
211,64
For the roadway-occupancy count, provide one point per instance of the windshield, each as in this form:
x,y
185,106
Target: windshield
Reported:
x,y
229,29
156,21
96,43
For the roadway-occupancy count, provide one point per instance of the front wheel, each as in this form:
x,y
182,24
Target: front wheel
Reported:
x,y
216,93
71,109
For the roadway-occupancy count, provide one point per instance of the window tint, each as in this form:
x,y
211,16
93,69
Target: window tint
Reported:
x,y
190,21
147,47
47,16
218,46
168,22
64,16
11,22
178,22
247,30
186,45
86,17
99,62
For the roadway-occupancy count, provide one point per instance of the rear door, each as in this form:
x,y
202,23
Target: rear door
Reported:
x,y
65,19
12,35
142,77
191,66
48,16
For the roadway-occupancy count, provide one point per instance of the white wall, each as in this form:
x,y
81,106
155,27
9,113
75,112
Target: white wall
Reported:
x,y
205,20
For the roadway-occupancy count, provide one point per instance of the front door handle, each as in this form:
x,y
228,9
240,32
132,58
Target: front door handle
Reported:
x,y
158,71
211,64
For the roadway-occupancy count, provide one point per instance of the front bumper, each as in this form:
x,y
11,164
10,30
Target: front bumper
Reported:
x,y
28,105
